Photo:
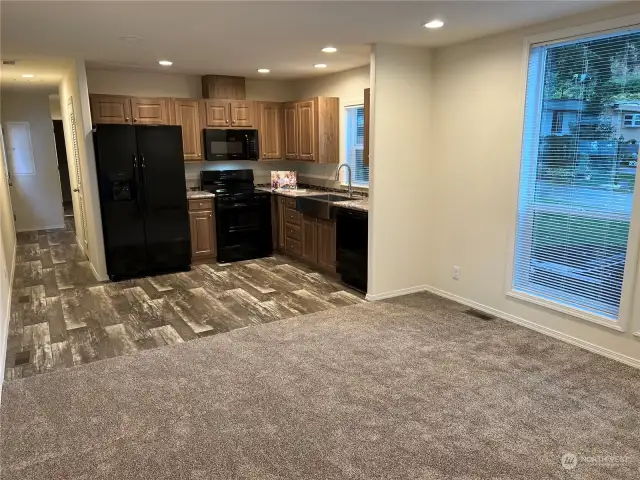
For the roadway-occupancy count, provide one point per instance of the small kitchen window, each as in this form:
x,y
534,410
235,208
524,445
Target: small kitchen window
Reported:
x,y
632,120
355,146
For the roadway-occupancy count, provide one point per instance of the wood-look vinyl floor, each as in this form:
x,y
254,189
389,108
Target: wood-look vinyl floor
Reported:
x,y
62,317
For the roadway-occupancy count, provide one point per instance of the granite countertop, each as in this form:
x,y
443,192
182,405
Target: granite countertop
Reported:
x,y
195,194
357,203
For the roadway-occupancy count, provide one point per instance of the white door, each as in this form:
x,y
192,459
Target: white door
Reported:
x,y
78,177
21,170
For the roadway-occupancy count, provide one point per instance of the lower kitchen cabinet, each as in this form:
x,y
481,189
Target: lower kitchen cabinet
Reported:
x,y
326,244
311,239
203,230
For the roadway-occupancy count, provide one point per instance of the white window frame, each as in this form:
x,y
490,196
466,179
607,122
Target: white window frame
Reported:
x,y
634,119
344,181
631,273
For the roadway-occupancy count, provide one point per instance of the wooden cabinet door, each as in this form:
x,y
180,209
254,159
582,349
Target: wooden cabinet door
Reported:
x,y
187,115
202,234
270,130
309,239
150,111
242,113
282,232
306,130
367,112
327,244
290,114
110,109
217,113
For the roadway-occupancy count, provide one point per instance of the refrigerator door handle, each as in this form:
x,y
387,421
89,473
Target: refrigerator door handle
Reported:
x,y
136,174
142,182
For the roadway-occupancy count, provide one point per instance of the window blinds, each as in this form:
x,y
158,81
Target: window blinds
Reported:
x,y
355,145
578,171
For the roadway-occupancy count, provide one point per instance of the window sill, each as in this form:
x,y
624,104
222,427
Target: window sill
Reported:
x,y
355,186
572,312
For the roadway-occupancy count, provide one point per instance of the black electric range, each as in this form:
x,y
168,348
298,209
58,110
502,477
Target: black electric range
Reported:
x,y
243,215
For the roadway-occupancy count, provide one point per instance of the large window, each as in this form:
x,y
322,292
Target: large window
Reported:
x,y
355,146
577,180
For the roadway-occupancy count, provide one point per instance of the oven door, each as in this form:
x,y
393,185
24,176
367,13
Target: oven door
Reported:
x,y
243,229
223,144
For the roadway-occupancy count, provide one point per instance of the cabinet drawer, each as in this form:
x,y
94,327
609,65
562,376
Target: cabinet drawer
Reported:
x,y
292,217
290,202
293,231
201,204
293,246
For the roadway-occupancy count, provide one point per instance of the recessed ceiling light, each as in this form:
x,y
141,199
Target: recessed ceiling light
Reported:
x,y
27,75
434,24
130,38
320,65
263,70
329,49
165,63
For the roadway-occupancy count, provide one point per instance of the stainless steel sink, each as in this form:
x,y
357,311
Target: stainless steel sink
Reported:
x,y
319,206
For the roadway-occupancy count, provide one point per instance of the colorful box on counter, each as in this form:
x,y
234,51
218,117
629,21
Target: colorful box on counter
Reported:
x,y
284,180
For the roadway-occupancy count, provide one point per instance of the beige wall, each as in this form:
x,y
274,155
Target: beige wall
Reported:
x,y
398,232
74,85
472,181
54,106
37,198
7,257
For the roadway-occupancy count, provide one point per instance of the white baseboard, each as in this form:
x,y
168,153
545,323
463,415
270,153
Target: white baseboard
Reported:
x,y
4,338
605,352
397,293
45,227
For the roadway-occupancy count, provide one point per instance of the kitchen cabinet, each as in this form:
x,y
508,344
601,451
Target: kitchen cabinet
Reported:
x,y
128,110
203,234
229,113
110,109
270,127
309,239
150,111
311,130
305,112
367,123
290,131
187,115
326,234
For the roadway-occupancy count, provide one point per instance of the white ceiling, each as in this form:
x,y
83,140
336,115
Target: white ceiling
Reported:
x,y
237,38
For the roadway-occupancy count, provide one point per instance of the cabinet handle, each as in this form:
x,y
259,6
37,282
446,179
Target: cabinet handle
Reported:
x,y
209,216
135,119
226,121
126,119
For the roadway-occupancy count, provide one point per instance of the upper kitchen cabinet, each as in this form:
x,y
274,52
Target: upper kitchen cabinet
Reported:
x,y
290,131
110,109
121,109
150,111
229,113
270,126
187,115
311,130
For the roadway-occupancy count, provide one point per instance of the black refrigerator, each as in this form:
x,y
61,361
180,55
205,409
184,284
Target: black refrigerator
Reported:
x,y
143,200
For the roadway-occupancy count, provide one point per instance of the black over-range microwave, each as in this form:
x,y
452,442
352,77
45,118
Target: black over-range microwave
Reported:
x,y
226,144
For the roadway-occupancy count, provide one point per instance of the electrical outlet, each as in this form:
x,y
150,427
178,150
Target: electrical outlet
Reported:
x,y
456,272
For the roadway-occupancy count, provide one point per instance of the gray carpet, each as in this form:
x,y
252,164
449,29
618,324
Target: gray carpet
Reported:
x,y
409,389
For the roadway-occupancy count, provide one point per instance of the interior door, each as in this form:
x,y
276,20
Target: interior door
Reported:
x,y
20,169
121,201
165,201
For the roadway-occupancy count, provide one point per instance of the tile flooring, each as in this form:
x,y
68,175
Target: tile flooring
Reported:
x,y
62,317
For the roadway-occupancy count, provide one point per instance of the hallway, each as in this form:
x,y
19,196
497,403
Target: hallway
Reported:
x,y
62,317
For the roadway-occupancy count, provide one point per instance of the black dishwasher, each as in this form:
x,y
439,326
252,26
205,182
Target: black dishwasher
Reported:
x,y
352,240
